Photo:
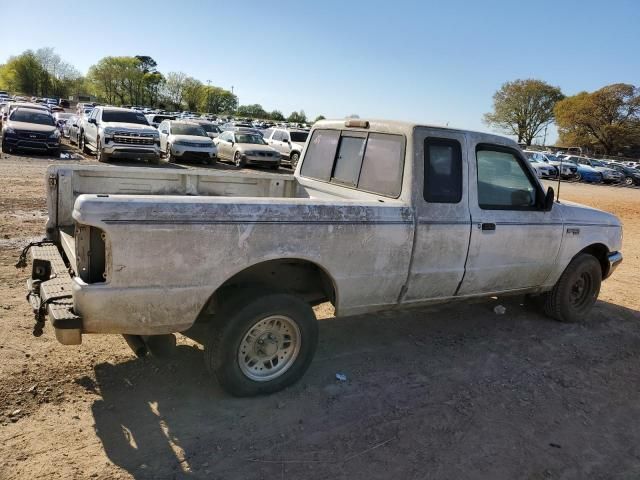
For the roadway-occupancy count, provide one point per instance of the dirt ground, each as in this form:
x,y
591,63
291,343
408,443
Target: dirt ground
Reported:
x,y
449,392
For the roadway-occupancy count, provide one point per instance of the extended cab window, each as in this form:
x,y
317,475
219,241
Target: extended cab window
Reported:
x,y
503,183
442,170
371,162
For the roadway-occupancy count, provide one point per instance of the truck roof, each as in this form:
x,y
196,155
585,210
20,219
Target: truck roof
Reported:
x,y
402,127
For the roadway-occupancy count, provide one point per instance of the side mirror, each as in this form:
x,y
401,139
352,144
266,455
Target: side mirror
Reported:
x,y
92,120
548,199
164,132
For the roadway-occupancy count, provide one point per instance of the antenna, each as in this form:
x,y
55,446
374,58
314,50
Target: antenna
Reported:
x,y
559,176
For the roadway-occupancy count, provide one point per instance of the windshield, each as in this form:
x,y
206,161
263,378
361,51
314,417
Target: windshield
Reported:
x,y
32,117
299,137
124,116
596,163
210,128
185,129
250,138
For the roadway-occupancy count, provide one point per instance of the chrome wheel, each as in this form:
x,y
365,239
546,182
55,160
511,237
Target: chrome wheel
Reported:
x,y
269,348
237,159
628,181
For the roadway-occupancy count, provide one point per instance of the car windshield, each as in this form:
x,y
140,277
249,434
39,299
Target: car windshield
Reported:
x,y
30,116
596,163
250,138
185,129
299,137
124,116
210,128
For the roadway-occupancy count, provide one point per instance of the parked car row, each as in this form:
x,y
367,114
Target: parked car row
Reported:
x,y
580,168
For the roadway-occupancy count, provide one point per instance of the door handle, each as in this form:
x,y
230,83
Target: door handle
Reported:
x,y
488,226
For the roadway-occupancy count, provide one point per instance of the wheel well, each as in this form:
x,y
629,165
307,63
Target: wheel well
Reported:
x,y
300,277
600,251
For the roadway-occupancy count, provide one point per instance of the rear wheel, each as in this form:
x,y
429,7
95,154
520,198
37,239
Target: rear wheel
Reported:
x,y
576,291
261,344
628,181
5,147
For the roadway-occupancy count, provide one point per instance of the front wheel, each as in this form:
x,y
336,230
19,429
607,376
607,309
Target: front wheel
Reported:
x,y
82,143
100,156
576,291
5,148
237,160
169,155
293,159
628,181
261,345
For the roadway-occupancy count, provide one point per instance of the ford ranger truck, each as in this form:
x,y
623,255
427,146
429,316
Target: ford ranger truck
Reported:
x,y
379,215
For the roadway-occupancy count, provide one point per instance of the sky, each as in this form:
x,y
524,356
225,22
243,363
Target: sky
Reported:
x,y
437,62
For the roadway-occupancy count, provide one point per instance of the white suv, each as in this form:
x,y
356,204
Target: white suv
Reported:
x,y
288,142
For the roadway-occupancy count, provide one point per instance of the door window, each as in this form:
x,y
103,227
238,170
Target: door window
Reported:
x,y
503,182
442,170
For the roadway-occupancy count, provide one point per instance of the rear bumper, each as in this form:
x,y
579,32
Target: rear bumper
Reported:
x,y
50,294
614,259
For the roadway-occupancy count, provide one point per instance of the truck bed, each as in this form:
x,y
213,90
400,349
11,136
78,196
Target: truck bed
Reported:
x,y
66,183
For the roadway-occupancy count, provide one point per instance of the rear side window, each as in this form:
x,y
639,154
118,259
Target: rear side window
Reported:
x,y
442,170
382,165
372,162
318,161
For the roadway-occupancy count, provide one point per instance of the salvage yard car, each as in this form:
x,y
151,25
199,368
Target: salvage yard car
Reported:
x,y
379,215
119,133
244,147
181,140
32,130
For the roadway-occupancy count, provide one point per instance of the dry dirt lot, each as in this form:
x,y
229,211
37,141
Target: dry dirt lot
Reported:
x,y
448,392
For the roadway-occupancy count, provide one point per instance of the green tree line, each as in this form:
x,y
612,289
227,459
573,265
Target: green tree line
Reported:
x,y
605,121
128,80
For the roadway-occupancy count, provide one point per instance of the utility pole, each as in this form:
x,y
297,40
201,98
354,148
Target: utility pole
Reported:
x,y
544,141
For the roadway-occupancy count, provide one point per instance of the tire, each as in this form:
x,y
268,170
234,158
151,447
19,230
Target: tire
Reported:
x,y
237,160
101,157
576,291
168,155
238,360
212,161
293,160
82,144
5,148
628,181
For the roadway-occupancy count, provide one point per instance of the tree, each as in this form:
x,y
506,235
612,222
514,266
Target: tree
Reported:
x,y
147,64
253,111
523,108
24,74
192,93
608,118
277,116
319,117
174,88
297,117
216,100
118,80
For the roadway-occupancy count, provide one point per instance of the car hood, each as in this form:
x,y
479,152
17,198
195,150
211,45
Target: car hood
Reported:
x,y
581,214
251,147
128,126
33,127
191,138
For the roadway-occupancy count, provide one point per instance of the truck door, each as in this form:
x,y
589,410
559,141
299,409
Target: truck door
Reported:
x,y
514,242
443,222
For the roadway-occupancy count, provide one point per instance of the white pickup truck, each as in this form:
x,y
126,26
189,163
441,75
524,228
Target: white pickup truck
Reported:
x,y
379,215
